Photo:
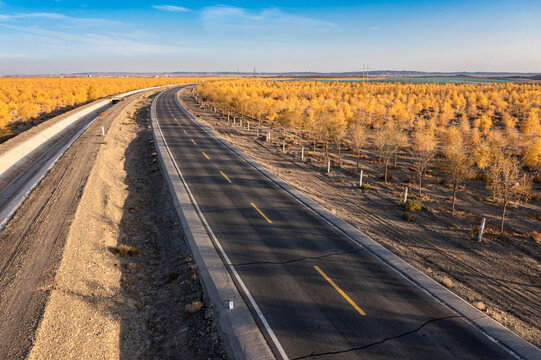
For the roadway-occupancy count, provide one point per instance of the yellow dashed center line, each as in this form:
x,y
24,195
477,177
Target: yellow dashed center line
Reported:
x,y
185,132
193,142
206,155
261,213
351,302
225,176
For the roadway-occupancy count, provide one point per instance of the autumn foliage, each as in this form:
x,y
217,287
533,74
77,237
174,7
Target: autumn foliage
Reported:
x,y
23,99
466,128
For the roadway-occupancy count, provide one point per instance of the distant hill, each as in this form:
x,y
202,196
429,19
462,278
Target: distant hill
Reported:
x,y
390,73
375,73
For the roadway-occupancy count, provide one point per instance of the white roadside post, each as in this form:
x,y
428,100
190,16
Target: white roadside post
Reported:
x,y
283,146
481,229
361,179
329,165
248,126
405,197
302,152
102,131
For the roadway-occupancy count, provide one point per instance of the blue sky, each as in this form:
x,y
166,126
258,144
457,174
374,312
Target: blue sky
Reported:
x,y
62,36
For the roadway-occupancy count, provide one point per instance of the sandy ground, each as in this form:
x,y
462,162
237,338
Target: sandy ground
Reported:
x,y
106,306
502,272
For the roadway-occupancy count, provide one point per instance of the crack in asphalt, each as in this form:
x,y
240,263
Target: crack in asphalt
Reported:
x,y
377,342
297,259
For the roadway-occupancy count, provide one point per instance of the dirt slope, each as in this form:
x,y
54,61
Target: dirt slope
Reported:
x,y
106,306
32,242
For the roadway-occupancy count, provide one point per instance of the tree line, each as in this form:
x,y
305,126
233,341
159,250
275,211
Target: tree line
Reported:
x,y
492,131
23,99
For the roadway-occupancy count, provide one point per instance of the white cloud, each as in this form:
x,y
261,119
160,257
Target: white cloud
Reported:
x,y
170,8
4,17
69,43
229,17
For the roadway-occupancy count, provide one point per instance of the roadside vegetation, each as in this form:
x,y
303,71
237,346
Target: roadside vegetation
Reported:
x,y
438,232
490,132
23,100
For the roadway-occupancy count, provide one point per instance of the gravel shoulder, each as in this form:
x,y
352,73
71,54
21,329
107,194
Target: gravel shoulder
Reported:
x,y
501,274
144,305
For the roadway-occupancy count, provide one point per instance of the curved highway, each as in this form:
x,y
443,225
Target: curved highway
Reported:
x,y
322,295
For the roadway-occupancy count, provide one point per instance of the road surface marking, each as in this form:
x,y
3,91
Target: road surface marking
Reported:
x,y
222,252
225,176
351,302
193,142
185,132
261,213
206,156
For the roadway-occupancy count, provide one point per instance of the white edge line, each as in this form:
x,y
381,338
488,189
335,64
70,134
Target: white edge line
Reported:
x,y
356,242
225,257
50,164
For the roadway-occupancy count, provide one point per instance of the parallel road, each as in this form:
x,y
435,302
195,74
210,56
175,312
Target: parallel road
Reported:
x,y
16,184
32,243
320,294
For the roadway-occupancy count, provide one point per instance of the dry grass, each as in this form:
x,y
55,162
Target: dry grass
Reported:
x,y
124,250
447,282
479,305
194,307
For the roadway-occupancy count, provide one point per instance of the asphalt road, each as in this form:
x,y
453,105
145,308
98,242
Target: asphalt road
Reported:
x,y
322,295
31,244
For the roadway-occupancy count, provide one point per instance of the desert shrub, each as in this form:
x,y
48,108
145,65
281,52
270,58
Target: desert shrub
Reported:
x,y
480,305
408,216
447,282
366,187
194,307
124,250
413,205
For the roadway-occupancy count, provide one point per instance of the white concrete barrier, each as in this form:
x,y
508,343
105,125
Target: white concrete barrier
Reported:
x,y
25,150
14,162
